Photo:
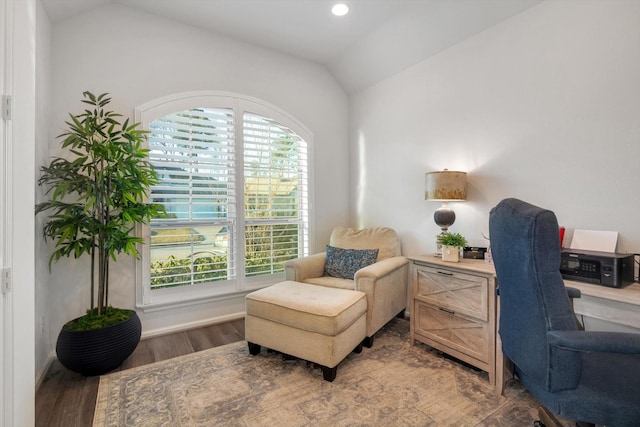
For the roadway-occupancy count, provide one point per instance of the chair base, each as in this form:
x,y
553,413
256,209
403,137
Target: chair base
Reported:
x,y
254,348
547,419
368,341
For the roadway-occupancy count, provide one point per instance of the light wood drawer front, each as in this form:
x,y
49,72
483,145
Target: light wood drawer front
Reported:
x,y
468,336
458,292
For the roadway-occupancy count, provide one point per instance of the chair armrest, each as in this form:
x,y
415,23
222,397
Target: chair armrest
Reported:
x,y
603,342
381,268
306,267
385,284
573,292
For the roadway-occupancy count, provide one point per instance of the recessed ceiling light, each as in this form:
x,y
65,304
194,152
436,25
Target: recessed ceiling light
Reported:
x,y
340,9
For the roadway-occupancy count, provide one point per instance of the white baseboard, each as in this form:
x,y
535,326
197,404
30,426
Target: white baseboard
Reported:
x,y
191,325
45,369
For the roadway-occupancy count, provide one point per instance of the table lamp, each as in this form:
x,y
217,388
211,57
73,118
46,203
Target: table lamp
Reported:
x,y
445,186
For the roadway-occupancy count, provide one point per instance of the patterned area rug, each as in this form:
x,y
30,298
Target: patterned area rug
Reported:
x,y
391,384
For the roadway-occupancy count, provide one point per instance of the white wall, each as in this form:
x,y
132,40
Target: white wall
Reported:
x,y
17,79
138,57
45,340
544,107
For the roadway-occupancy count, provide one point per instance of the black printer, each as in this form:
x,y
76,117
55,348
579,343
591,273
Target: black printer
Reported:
x,y
600,268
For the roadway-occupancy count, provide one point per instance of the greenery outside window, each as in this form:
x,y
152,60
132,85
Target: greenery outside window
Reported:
x,y
234,181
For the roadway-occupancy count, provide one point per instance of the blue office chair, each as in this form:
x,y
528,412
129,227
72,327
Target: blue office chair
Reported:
x,y
591,377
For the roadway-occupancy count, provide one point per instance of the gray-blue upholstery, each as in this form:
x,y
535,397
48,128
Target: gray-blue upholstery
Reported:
x,y
586,376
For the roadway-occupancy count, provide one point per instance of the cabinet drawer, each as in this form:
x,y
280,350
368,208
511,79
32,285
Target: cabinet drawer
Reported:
x,y
457,292
466,335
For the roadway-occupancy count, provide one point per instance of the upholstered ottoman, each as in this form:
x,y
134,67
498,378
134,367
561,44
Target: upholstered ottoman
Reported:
x,y
315,323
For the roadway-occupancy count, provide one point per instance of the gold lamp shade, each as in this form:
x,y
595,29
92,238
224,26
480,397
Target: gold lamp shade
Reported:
x,y
445,186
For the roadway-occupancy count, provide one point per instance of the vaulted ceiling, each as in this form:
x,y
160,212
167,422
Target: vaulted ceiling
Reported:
x,y
375,40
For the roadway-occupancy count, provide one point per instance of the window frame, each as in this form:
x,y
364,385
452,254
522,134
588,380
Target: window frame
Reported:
x,y
147,299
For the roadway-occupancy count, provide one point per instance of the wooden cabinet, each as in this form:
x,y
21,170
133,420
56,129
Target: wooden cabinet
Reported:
x,y
453,309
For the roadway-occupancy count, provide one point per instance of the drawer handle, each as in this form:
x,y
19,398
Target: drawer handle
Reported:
x,y
446,273
446,311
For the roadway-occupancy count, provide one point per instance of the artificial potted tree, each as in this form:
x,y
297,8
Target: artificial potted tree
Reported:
x,y
98,194
452,243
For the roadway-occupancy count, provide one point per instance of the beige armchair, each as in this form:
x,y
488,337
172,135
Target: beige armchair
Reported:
x,y
384,282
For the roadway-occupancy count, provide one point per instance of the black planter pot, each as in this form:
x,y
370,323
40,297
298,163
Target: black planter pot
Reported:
x,y
99,351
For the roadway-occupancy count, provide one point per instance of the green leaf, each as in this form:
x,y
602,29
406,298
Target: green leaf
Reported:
x,y
96,189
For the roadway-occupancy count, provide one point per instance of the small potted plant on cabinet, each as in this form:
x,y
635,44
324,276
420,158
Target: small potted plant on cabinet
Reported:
x,y
98,194
451,246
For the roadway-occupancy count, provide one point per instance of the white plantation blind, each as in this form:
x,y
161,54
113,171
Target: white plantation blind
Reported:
x,y
276,207
193,153
275,169
234,181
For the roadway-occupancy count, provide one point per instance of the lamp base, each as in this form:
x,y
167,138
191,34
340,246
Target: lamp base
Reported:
x,y
438,252
444,217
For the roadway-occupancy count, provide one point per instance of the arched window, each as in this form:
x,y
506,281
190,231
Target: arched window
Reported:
x,y
234,181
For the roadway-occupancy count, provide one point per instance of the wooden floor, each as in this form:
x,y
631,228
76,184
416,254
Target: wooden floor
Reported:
x,y
67,399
